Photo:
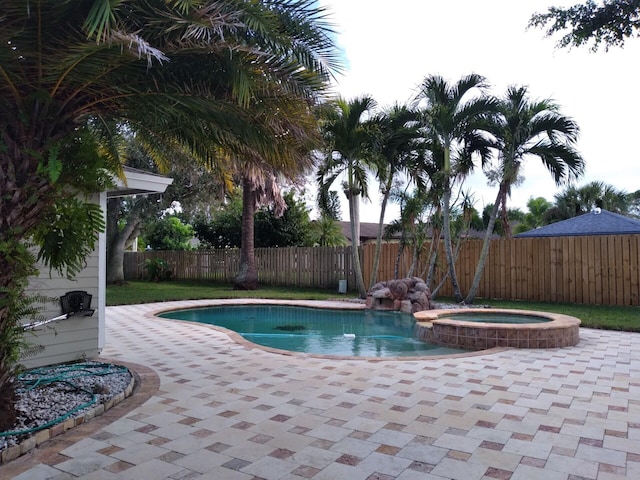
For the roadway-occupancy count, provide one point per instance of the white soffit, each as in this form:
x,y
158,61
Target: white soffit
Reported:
x,y
139,182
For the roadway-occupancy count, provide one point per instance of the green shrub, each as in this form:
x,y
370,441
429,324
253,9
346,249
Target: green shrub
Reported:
x,y
157,269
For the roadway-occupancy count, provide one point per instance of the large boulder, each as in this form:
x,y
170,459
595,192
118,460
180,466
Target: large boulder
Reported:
x,y
408,295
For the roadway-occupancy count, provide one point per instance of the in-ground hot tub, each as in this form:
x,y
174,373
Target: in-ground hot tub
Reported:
x,y
481,328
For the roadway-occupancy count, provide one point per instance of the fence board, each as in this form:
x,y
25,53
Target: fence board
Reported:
x,y
634,262
593,270
626,273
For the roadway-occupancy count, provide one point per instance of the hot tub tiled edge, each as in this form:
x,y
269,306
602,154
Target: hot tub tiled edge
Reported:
x,y
433,326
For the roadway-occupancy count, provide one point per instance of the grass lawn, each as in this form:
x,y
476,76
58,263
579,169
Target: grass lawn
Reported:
x,y
147,292
592,316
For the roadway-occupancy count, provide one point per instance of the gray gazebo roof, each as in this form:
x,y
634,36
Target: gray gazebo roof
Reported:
x,y
596,222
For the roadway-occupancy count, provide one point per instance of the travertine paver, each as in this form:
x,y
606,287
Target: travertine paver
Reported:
x,y
227,411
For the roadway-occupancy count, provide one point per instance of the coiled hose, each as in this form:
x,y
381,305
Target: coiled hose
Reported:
x,y
63,374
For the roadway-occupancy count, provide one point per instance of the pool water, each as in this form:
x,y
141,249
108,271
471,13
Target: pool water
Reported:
x,y
360,333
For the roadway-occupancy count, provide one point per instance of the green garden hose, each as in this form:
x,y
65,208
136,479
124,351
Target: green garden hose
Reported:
x,y
63,374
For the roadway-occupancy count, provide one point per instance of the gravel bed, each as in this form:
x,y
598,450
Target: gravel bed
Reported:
x,y
48,394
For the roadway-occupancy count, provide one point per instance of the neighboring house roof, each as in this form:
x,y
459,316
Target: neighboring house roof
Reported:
x,y
596,222
139,182
369,231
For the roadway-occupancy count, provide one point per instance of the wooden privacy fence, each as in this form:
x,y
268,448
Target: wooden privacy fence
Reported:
x,y
603,269
593,270
320,267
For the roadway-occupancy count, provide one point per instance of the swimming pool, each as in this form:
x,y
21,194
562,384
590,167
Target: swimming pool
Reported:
x,y
358,333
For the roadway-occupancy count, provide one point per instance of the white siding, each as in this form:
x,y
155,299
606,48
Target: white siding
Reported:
x,y
76,337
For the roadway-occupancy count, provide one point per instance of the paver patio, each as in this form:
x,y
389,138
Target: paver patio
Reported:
x,y
224,411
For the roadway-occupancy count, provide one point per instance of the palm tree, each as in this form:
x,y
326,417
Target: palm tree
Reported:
x,y
455,119
327,232
349,137
173,72
411,225
260,183
535,217
574,200
528,129
397,143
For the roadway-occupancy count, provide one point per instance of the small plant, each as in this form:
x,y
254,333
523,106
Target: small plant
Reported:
x,y
157,269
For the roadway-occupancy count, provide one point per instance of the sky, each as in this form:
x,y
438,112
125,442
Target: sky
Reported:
x,y
389,47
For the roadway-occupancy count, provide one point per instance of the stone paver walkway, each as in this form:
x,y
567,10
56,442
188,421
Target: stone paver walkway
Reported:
x,y
223,411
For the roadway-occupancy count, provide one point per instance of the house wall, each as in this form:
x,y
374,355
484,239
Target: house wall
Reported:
x,y
77,337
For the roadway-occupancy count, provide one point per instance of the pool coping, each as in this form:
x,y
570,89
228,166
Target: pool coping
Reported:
x,y
328,304
434,327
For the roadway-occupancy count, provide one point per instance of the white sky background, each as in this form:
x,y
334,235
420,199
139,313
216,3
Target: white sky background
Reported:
x,y
390,46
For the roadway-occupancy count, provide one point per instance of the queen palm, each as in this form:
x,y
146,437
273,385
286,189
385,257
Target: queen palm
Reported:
x,y
528,129
455,119
349,136
173,72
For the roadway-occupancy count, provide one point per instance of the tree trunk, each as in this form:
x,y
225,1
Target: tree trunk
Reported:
x,y
506,226
431,266
447,245
117,240
24,198
484,253
354,218
376,257
433,257
414,254
15,266
247,278
396,270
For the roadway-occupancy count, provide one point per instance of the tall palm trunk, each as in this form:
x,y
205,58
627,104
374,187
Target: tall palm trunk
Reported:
x,y
486,243
396,269
247,278
504,216
448,249
24,199
354,220
433,257
446,227
376,257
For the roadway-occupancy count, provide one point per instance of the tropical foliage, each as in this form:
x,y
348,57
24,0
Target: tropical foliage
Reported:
x,y
535,216
456,122
292,228
527,129
349,135
195,189
211,76
398,144
326,232
169,233
609,23
577,200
